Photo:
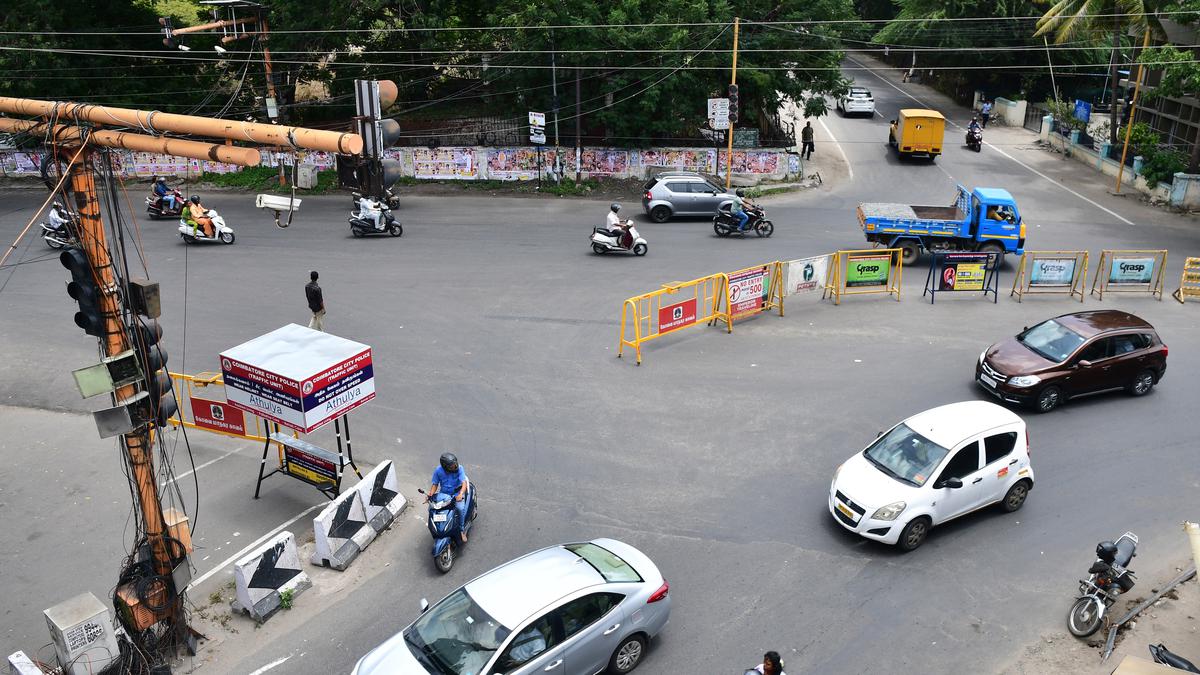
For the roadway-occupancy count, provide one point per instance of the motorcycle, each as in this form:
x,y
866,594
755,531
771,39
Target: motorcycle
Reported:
x,y
221,231
156,206
445,528
62,236
360,226
725,223
1109,578
975,139
1162,655
605,240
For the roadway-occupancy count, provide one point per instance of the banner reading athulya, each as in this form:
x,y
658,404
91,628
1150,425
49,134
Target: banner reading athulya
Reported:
x,y
807,274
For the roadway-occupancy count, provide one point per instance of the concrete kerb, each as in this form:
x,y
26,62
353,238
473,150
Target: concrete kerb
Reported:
x,y
341,532
269,578
381,498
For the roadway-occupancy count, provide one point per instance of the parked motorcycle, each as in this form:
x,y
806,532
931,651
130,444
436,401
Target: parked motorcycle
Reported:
x,y
62,236
725,223
1109,578
221,231
975,139
360,226
156,206
445,527
1164,656
605,240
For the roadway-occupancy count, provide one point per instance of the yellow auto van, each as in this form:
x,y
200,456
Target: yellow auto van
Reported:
x,y
918,132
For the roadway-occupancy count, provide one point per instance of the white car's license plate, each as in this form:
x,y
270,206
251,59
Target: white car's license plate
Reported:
x,y
440,517
845,511
987,380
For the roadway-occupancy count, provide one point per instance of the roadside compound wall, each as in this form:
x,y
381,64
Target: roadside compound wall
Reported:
x,y
469,163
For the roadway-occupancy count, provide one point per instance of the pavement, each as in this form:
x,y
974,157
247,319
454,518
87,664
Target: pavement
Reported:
x,y
495,333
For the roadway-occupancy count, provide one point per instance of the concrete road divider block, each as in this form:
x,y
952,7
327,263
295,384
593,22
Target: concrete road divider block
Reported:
x,y
269,578
381,496
341,532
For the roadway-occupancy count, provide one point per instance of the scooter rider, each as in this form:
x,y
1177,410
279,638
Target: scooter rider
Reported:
x,y
164,193
450,478
59,219
370,209
194,214
617,226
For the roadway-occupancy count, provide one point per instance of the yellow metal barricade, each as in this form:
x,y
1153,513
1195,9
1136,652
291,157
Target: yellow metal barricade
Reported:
x,y
750,291
1189,281
670,308
1051,272
864,272
1130,271
221,418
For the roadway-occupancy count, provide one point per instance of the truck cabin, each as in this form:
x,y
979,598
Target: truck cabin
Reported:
x,y
995,208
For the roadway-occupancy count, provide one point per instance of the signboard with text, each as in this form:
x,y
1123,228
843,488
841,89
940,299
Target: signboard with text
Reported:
x,y
868,270
807,274
218,416
1131,271
676,316
718,113
748,291
965,271
1052,271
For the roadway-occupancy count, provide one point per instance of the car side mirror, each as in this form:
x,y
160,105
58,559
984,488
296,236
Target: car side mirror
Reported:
x,y
952,483
878,434
424,605
893,121
1085,363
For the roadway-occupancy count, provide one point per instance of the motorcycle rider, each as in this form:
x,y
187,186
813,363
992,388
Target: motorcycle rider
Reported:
x,y
619,227
738,208
370,209
451,479
59,219
194,214
166,194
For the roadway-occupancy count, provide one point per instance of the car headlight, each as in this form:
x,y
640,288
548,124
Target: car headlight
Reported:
x,y
890,511
1024,381
982,354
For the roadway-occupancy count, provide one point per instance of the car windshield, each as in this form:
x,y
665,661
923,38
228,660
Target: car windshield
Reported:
x,y
1051,340
905,455
608,564
455,636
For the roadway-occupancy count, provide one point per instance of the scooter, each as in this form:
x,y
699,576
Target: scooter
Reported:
x,y
445,528
61,237
360,227
605,240
975,139
725,223
156,206
1109,578
221,232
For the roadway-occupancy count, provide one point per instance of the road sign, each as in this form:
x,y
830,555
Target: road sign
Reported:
x,y
1083,110
718,113
537,128
537,119
537,137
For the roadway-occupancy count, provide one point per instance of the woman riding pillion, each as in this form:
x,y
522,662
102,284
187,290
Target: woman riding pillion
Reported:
x,y
195,214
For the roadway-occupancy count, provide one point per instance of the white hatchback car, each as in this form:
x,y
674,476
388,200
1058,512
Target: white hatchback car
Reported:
x,y
933,467
857,100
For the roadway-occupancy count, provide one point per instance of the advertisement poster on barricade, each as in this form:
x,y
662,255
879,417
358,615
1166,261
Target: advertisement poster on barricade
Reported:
x,y
962,272
807,274
676,316
218,416
1131,271
1052,272
307,466
748,290
868,270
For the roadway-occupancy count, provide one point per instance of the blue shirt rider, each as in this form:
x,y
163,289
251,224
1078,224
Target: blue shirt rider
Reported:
x,y
165,193
450,478
737,208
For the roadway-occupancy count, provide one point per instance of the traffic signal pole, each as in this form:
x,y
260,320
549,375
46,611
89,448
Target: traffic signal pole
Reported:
x,y
729,131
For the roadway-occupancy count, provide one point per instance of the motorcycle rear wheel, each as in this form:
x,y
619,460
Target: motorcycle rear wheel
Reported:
x,y
444,560
1086,616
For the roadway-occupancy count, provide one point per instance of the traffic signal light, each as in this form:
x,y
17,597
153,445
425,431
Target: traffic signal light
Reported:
x,y
168,31
369,173
84,290
733,103
147,342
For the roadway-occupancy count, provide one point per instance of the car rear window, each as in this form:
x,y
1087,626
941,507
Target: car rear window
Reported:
x,y
860,93
678,187
650,184
998,446
608,564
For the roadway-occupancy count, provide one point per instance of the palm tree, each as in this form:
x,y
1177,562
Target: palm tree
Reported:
x,y
1067,19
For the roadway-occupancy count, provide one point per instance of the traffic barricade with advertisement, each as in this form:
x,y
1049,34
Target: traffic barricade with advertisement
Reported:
x,y
1130,271
1189,281
864,272
805,275
750,291
957,272
1051,272
209,413
674,306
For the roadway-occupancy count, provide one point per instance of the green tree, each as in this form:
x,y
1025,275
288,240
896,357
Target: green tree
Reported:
x,y
1180,77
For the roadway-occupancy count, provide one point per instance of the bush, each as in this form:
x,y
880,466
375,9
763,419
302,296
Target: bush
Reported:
x,y
1160,166
266,178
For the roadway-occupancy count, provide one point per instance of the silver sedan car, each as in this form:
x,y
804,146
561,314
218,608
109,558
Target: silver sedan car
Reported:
x,y
576,609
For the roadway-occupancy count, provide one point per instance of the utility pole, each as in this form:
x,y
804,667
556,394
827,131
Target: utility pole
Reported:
x,y
578,131
729,132
1137,85
554,93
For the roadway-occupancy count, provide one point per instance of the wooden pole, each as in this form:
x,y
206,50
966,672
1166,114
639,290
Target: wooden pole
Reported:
x,y
71,135
1137,85
729,131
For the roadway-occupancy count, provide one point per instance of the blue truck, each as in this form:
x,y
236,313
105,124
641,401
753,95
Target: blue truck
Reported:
x,y
984,219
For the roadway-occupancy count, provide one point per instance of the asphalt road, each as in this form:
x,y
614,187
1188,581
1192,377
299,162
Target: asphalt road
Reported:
x,y
495,334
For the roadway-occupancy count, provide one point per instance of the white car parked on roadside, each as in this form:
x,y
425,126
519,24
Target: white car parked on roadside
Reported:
x,y
858,100
933,467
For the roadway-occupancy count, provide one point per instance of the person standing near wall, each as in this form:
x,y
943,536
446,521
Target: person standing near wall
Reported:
x,y
316,302
806,139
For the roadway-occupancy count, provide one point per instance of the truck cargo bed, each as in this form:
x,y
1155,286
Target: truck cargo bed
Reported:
x,y
906,212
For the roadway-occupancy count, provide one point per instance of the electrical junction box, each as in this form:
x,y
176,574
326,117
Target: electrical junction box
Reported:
x,y
83,635
306,176
20,664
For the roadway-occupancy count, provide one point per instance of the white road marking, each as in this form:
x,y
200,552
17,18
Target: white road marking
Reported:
x,y
249,547
206,464
849,169
1019,162
271,665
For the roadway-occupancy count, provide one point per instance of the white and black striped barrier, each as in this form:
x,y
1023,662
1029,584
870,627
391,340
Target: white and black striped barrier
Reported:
x,y
341,532
381,496
267,576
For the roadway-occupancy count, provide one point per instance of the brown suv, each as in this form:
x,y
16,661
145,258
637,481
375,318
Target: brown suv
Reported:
x,y
1074,355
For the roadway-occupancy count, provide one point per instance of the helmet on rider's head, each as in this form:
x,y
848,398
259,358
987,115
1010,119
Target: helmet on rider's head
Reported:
x,y
449,462
57,205
195,199
740,193
615,207
160,179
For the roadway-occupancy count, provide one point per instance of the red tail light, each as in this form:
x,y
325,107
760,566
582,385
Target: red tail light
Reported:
x,y
660,593
1165,351
647,196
